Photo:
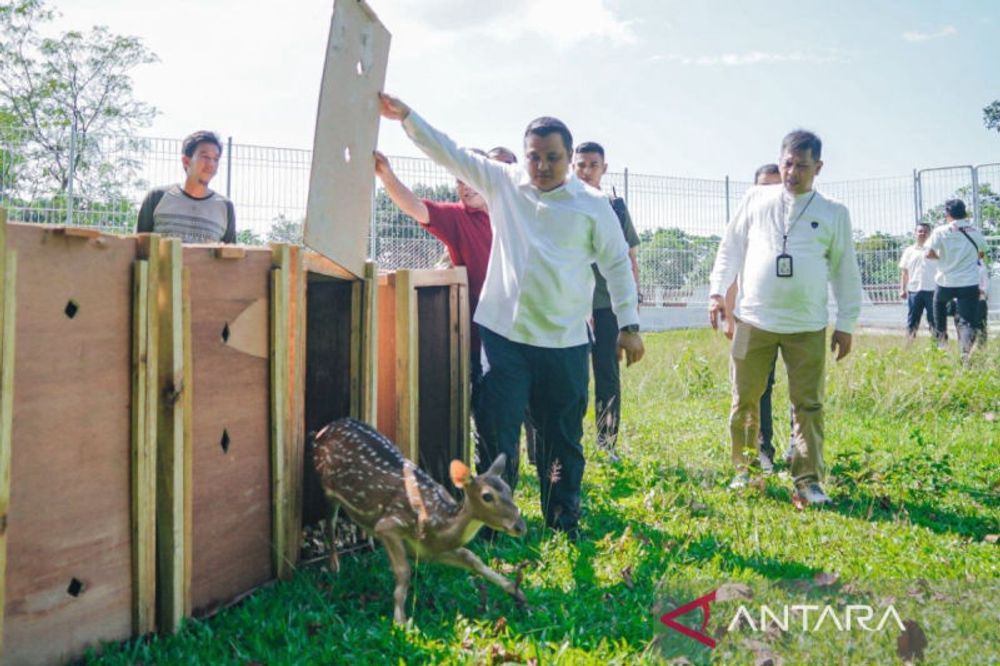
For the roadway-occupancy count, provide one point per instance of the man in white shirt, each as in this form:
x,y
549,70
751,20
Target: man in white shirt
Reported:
x,y
786,244
548,227
959,247
916,281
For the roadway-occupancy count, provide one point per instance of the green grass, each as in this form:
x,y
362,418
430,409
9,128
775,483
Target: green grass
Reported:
x,y
912,450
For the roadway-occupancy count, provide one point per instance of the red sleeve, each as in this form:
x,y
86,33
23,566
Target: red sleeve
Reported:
x,y
445,219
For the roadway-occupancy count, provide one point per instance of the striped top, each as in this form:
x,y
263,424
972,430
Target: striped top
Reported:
x,y
174,213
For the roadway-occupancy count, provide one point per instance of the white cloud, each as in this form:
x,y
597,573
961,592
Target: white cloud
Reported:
x,y
754,58
914,36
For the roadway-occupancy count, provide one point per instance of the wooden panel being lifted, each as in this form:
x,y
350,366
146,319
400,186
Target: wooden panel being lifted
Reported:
x,y
69,549
342,179
231,476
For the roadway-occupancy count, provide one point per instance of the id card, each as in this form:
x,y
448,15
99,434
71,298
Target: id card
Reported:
x,y
783,265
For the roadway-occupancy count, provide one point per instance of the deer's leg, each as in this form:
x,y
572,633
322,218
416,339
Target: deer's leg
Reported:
x,y
400,567
331,526
463,558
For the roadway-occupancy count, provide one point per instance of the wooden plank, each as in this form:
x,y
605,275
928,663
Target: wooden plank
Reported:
x,y
187,405
296,405
369,346
69,581
8,276
279,413
231,526
230,252
357,324
437,277
385,408
173,575
463,323
143,457
317,263
341,184
407,367
80,232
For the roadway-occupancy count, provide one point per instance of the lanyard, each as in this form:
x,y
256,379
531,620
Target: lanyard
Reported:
x,y
788,228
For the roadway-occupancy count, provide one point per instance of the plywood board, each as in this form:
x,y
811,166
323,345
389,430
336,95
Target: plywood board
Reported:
x,y
69,550
386,403
342,179
231,454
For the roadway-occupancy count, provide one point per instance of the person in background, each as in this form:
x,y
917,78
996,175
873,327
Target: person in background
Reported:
x,y
590,167
959,247
190,210
767,174
916,281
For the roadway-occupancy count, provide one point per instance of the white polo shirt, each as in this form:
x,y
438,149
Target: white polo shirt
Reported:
x,y
919,268
958,265
822,251
539,285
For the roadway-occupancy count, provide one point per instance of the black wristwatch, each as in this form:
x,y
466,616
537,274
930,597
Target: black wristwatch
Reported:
x,y
631,328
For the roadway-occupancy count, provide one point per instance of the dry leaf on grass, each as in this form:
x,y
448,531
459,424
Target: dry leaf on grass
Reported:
x,y
991,538
824,579
911,643
730,591
627,577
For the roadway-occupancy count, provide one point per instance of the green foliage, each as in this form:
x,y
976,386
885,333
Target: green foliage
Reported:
x,y
989,208
910,446
878,257
50,85
402,241
676,257
991,116
284,230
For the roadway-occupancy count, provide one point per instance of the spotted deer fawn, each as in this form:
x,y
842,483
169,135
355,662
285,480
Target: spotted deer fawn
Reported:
x,y
401,505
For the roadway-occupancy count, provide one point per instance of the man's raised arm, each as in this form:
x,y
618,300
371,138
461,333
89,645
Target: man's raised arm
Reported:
x,y
400,194
478,171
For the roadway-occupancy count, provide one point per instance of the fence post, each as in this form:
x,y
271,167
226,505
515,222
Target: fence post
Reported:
x,y
626,187
229,166
726,221
975,197
917,198
72,174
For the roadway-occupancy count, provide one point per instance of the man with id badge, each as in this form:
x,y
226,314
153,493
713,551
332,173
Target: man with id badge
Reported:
x,y
786,245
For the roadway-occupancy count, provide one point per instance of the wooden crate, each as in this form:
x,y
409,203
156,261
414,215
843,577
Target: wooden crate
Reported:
x,y
78,538
423,366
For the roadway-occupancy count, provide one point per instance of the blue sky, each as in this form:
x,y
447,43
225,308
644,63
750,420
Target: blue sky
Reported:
x,y
701,89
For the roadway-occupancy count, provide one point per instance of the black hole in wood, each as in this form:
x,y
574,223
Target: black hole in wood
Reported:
x,y
75,588
71,309
225,332
225,441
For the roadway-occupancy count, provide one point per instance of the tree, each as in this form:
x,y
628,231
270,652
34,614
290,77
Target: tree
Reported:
x,y
989,208
51,85
991,116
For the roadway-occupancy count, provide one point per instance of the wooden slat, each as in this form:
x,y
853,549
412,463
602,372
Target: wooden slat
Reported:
x,y
296,405
8,264
463,323
385,413
173,575
230,252
407,404
279,402
143,456
317,263
437,277
369,347
187,405
357,325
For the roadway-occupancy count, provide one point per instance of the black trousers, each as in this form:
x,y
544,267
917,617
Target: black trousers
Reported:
x,y
553,384
918,302
966,314
766,435
607,377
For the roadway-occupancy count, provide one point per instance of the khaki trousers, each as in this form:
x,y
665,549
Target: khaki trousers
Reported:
x,y
753,353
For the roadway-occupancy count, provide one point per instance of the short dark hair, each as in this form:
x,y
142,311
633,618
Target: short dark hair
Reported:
x,y
924,224
590,147
800,141
502,150
547,125
192,141
766,170
955,209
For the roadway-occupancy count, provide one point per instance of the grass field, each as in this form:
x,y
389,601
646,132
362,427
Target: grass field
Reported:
x,y
912,450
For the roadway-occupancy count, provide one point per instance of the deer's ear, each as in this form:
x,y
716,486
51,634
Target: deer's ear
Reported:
x,y
496,469
459,473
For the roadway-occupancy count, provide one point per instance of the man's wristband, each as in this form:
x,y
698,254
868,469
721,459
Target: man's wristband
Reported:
x,y
631,328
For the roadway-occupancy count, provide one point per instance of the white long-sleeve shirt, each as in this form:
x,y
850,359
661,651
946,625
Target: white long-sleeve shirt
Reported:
x,y
822,252
539,284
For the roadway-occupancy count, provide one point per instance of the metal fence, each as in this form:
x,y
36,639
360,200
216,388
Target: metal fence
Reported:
x,y
101,181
